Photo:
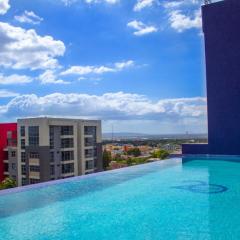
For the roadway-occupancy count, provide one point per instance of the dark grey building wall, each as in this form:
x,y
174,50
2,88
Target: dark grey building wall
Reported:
x,y
57,151
99,157
44,155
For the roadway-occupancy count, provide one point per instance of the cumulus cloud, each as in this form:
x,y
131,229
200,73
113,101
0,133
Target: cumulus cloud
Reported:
x,y
4,6
143,4
70,2
6,93
50,77
181,22
141,28
102,1
14,79
180,3
21,48
86,70
29,17
109,106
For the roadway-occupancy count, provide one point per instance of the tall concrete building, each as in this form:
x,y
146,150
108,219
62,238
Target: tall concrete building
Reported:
x,y
56,148
221,22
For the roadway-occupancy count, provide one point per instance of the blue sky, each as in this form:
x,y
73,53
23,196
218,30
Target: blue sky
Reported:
x,y
136,64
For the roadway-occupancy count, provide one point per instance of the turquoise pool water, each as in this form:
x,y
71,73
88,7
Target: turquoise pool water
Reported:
x,y
172,199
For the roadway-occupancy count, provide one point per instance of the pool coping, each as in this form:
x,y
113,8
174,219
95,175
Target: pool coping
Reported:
x,y
58,181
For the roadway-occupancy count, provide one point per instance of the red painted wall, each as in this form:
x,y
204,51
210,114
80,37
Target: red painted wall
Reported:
x,y
4,128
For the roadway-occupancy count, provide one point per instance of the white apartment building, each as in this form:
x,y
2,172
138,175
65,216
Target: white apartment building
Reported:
x,y
56,148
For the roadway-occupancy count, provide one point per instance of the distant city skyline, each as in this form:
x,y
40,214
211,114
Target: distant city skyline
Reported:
x,y
138,65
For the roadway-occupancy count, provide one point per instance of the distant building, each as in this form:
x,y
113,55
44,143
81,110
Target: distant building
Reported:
x,y
35,150
8,150
221,21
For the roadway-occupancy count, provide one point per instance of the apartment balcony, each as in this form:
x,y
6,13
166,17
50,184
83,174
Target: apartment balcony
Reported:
x,y
88,171
89,166
67,161
89,146
66,175
34,161
67,136
89,159
67,149
88,135
34,175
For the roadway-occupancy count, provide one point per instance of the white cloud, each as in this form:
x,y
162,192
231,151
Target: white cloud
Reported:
x,y
6,93
180,3
14,79
29,17
143,4
85,70
102,1
70,2
4,6
21,48
142,29
110,106
182,22
50,77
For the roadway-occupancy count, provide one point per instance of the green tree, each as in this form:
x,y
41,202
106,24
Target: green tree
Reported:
x,y
134,152
8,183
107,158
162,154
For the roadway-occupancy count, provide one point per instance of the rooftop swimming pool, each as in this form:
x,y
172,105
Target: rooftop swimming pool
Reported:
x,y
189,198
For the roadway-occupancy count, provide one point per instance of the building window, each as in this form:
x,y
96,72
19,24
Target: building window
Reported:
x,y
23,157
68,168
66,130
89,165
23,170
90,130
13,166
34,181
22,131
23,144
67,156
14,177
24,181
33,135
34,169
89,153
5,167
51,137
52,170
67,143
89,141
34,155
13,154
51,156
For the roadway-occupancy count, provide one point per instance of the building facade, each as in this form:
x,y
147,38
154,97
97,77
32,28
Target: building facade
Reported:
x,y
8,150
49,149
221,21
